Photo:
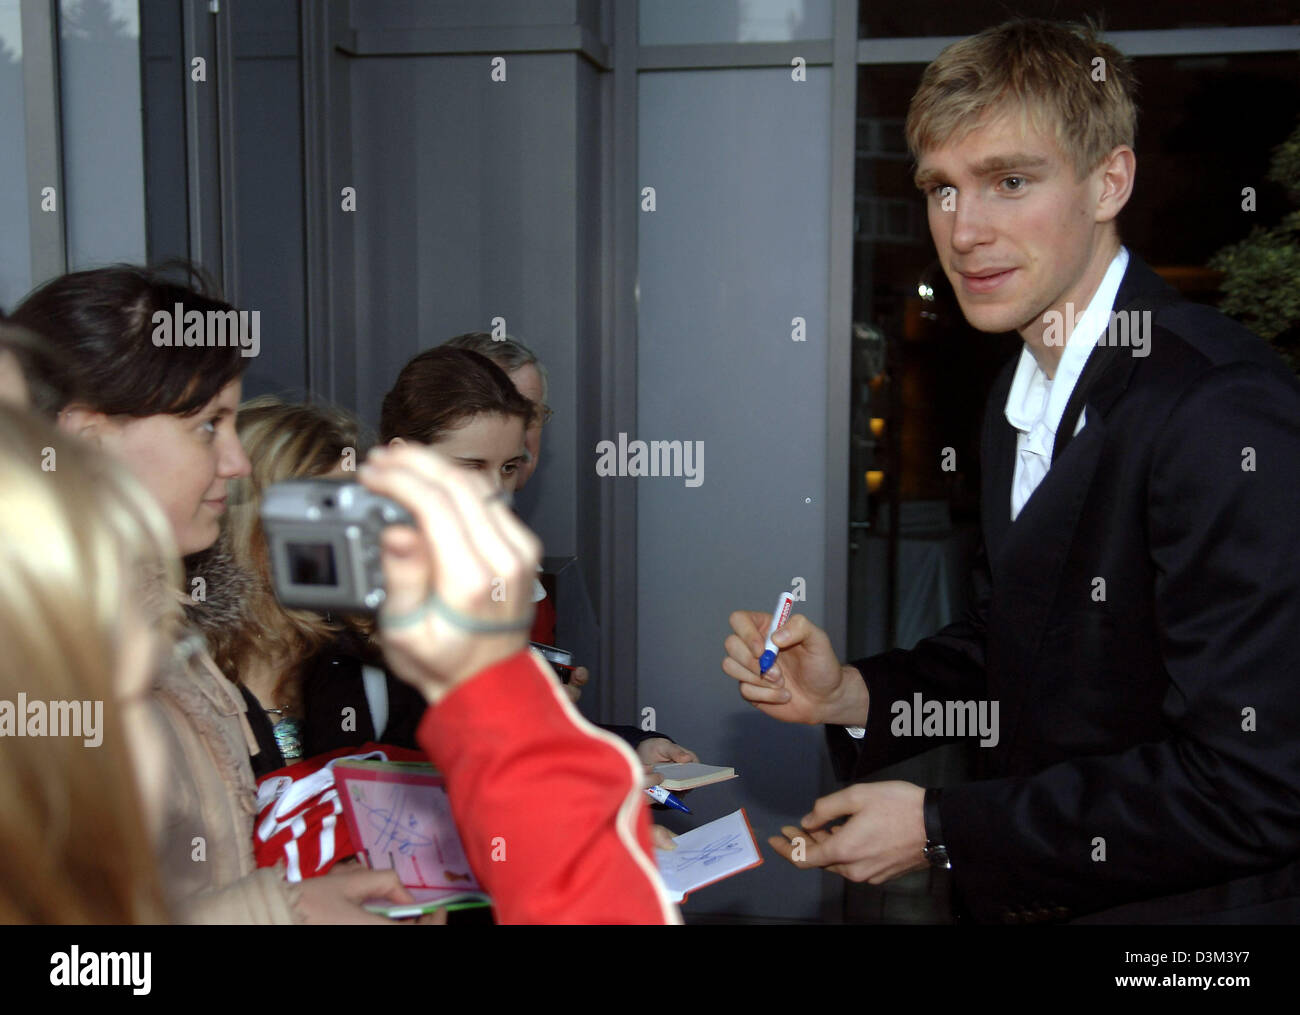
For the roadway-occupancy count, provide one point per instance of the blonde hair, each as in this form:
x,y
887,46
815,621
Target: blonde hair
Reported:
x,y
79,538
1059,77
282,441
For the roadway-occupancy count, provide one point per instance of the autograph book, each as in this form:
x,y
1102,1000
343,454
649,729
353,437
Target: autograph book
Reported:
x,y
399,816
681,776
708,854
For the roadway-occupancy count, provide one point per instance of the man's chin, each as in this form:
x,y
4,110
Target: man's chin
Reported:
x,y
991,320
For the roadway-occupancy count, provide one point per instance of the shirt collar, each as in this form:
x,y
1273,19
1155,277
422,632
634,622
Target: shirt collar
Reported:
x,y
1033,398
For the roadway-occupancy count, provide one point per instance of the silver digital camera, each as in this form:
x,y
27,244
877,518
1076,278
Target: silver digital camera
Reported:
x,y
323,538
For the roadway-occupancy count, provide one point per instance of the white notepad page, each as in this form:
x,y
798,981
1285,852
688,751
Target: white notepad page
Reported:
x,y
707,854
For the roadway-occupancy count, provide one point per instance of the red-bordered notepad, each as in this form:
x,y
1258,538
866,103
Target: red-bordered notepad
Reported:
x,y
709,854
400,819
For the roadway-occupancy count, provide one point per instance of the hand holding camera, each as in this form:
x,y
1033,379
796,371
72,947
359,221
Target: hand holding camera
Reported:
x,y
459,583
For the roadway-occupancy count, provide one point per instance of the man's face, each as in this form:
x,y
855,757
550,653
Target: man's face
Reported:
x,y
528,382
1015,231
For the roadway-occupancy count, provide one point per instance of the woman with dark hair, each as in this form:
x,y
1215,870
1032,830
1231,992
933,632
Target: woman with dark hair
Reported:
x,y
464,405
29,376
467,407
168,410
168,414
526,372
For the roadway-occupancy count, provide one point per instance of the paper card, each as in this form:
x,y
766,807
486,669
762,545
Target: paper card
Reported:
x,y
707,854
427,900
401,817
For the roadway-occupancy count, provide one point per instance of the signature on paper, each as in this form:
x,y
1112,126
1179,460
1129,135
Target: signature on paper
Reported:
x,y
707,856
401,833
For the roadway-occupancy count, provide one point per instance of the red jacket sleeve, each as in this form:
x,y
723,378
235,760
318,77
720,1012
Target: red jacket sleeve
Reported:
x,y
549,808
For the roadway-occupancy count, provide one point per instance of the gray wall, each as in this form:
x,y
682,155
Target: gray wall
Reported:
x,y
736,248
467,211
268,191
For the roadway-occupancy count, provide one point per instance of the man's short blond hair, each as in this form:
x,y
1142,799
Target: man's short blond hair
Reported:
x,y
1059,77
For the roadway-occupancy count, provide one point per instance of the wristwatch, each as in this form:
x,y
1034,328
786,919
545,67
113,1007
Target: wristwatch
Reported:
x,y
935,851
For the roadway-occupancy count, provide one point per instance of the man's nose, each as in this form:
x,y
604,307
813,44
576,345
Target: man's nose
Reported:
x,y
970,223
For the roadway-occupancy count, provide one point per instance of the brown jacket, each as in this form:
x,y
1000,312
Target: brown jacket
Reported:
x,y
205,851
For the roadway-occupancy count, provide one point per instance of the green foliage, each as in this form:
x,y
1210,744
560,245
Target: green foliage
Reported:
x,y
1261,285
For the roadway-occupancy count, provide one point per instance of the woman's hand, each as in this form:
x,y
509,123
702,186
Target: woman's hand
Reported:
x,y
662,838
662,751
460,582
578,678
337,897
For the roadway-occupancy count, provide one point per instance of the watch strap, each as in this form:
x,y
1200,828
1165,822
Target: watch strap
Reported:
x,y
936,849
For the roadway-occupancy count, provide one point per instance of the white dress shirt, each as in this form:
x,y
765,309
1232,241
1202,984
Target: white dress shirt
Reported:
x,y
1036,404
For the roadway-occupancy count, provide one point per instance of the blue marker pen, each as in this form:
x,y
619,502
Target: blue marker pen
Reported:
x,y
662,796
779,616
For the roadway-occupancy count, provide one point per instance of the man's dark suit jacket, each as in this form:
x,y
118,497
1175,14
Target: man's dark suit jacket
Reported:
x,y
1128,721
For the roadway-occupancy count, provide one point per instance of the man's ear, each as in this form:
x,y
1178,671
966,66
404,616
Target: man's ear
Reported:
x,y
1117,174
84,422
396,442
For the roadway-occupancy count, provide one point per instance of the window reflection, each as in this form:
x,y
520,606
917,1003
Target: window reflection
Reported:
x,y
15,197
688,22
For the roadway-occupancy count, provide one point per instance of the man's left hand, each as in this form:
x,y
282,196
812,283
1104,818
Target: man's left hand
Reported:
x,y
883,837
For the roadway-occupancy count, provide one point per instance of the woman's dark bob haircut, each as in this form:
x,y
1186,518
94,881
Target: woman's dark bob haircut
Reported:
x,y
100,328
442,389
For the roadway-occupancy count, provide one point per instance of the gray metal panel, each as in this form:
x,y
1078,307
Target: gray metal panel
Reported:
x,y
1196,41
1170,42
738,246
761,54
467,212
225,130
164,77
264,193
616,388
593,325
43,137
202,150
313,69
443,42
844,100
343,339
413,14
103,148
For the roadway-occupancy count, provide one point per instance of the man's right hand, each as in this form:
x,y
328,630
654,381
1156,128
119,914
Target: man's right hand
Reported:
x,y
806,684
